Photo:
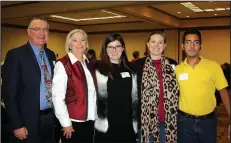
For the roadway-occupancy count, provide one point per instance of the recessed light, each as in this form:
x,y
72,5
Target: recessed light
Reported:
x,y
178,12
187,16
215,14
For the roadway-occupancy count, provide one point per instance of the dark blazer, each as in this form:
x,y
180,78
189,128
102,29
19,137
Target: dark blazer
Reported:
x,y
21,89
138,68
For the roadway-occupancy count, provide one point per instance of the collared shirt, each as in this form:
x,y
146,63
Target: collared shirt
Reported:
x,y
197,86
43,101
59,87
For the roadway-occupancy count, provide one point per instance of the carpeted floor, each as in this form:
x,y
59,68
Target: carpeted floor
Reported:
x,y
222,126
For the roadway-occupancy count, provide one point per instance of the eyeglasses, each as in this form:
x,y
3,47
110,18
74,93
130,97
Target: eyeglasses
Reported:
x,y
38,29
118,47
195,43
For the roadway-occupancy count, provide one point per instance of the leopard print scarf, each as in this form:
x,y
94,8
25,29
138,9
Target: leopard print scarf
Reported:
x,y
149,102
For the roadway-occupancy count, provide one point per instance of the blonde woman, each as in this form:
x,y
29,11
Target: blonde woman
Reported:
x,y
74,92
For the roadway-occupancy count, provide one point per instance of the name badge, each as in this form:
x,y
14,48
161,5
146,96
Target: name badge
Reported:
x,y
125,74
184,76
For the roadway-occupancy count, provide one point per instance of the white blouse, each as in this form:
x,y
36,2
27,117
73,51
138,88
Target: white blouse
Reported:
x,y
59,86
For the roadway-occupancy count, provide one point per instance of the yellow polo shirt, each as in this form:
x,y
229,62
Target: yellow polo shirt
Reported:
x,y
197,86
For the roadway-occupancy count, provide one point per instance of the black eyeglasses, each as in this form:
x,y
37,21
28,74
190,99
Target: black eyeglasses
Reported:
x,y
118,47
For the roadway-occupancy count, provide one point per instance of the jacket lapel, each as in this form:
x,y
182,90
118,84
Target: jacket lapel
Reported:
x,y
33,58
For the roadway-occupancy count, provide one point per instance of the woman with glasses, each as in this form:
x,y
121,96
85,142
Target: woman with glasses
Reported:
x,y
158,93
117,94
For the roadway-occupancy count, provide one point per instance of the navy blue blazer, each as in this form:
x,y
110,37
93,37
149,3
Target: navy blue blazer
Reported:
x,y
21,89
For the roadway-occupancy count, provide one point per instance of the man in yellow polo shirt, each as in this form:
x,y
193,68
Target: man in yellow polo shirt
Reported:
x,y
198,78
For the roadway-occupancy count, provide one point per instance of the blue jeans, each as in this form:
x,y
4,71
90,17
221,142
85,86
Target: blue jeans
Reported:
x,y
194,130
162,134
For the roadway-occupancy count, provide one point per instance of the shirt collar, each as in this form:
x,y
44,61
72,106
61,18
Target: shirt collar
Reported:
x,y
185,61
73,59
35,49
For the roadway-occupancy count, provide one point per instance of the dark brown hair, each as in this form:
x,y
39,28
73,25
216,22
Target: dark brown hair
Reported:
x,y
105,63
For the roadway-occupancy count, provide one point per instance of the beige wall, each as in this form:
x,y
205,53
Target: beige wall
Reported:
x,y
171,49
216,43
133,42
14,37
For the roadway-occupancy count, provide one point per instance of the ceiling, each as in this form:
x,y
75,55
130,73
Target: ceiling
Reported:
x,y
135,15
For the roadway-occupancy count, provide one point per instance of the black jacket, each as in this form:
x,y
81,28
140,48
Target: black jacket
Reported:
x,y
21,89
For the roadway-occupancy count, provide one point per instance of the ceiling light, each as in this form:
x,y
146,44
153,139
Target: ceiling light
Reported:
x,y
198,10
192,7
187,16
91,18
228,8
66,18
87,19
186,3
215,14
219,9
109,12
207,10
178,12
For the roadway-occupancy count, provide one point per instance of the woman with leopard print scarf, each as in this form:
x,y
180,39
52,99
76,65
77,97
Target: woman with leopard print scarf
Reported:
x,y
158,93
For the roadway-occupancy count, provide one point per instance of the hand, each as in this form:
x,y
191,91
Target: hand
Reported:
x,y
229,132
67,132
21,133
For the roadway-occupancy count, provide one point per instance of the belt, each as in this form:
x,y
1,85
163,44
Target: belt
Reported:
x,y
46,111
207,116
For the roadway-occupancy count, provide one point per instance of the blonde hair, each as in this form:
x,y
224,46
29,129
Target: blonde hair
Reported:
x,y
69,38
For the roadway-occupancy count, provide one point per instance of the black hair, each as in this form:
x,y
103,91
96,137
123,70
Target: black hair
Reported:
x,y
92,52
192,31
135,54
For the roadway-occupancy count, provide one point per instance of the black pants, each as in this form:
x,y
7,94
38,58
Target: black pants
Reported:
x,y
47,127
58,132
84,132
46,132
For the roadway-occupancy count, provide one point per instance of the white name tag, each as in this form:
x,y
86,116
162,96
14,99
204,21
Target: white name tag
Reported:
x,y
184,76
125,74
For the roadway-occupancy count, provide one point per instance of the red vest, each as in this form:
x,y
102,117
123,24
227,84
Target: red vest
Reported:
x,y
77,93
